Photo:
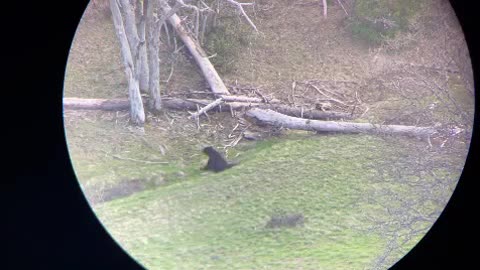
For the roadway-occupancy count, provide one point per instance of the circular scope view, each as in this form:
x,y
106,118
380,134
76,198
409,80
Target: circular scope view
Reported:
x,y
268,134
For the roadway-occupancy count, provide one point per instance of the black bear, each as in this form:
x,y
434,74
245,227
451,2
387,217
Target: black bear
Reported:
x,y
216,162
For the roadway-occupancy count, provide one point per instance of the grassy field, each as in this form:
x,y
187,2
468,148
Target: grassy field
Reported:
x,y
217,221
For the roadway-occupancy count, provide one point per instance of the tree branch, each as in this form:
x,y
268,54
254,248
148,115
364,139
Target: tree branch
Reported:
x,y
239,6
206,108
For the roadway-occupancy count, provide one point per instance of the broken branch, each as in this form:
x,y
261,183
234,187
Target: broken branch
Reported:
x,y
206,108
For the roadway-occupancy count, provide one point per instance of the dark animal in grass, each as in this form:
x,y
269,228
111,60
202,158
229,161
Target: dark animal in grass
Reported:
x,y
216,162
288,220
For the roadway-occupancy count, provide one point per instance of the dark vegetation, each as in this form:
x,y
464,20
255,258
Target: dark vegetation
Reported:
x,y
225,40
285,220
374,21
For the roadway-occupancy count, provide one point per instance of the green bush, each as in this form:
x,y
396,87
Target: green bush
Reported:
x,y
374,20
226,40
367,32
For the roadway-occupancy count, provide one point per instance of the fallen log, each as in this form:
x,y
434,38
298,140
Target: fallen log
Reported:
x,y
191,104
123,104
277,119
209,72
95,104
248,99
288,110
305,112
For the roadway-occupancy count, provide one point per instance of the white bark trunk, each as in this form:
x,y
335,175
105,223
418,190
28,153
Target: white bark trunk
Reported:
x,y
137,49
153,37
137,112
142,65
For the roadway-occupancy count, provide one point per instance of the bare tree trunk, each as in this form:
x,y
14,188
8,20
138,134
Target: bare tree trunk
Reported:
x,y
137,44
153,36
211,75
130,26
137,112
278,119
324,8
142,65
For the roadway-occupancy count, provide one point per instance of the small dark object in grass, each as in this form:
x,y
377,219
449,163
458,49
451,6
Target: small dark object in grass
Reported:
x,y
288,220
216,162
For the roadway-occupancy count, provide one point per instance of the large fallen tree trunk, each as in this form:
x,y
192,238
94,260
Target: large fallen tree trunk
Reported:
x,y
123,104
278,119
209,72
191,104
261,112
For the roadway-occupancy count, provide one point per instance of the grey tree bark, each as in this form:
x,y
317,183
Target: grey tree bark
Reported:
x,y
142,64
153,39
137,112
137,46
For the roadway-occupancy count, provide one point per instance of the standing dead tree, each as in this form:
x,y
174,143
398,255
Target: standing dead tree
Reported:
x,y
138,24
137,112
153,37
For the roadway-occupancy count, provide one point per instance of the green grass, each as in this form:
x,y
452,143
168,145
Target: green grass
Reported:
x,y
217,221
96,140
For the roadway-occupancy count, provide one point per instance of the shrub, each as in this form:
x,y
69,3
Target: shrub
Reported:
x,y
226,40
374,20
